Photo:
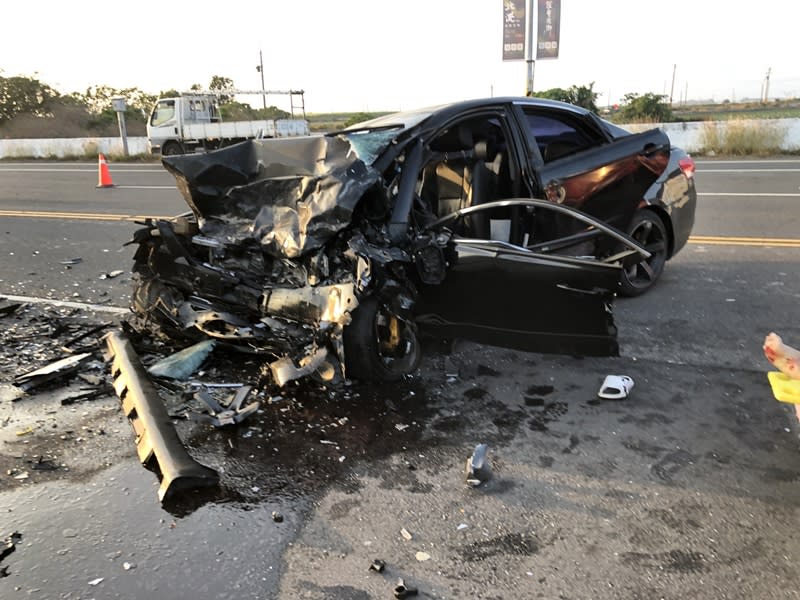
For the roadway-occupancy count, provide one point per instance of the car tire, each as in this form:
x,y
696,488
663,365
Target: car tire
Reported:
x,y
172,149
648,229
370,353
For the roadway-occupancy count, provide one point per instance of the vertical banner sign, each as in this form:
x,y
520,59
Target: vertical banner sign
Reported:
x,y
549,25
513,29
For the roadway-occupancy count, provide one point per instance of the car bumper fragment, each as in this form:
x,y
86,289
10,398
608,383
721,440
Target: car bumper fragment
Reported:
x,y
157,443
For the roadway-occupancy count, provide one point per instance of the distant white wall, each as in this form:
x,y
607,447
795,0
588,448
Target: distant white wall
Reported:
x,y
67,147
689,135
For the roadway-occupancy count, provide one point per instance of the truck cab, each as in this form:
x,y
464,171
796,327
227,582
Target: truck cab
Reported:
x,y
165,128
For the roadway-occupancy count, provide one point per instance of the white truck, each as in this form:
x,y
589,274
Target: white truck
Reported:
x,y
191,122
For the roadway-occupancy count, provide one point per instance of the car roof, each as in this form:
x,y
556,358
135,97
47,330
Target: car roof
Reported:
x,y
411,118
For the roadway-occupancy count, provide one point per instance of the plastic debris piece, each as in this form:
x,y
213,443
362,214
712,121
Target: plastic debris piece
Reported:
x,y
21,476
9,309
422,556
231,414
128,566
478,469
182,364
615,387
400,427
377,565
72,261
112,274
401,590
96,581
406,534
59,368
461,526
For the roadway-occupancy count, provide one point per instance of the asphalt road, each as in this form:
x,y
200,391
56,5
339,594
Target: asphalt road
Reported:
x,y
688,489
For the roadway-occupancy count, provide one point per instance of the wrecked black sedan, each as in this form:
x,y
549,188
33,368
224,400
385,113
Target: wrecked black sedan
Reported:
x,y
330,255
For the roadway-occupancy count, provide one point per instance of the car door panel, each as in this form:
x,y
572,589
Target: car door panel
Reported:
x,y
498,295
610,181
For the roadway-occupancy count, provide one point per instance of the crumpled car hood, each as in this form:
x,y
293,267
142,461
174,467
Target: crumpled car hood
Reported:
x,y
291,195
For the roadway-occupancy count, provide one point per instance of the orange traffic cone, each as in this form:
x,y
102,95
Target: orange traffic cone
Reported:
x,y
104,175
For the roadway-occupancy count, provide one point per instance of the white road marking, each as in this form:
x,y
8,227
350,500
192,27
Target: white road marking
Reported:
x,y
701,170
766,194
81,305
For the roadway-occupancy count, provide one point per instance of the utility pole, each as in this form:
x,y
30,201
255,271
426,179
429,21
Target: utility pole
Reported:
x,y
766,85
672,88
260,69
529,26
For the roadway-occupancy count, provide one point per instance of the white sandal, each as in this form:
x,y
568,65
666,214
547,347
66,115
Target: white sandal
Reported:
x,y
615,387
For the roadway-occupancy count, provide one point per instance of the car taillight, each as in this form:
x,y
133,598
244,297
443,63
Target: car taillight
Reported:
x,y
687,166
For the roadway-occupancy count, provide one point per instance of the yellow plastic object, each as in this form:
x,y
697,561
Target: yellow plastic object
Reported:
x,y
783,388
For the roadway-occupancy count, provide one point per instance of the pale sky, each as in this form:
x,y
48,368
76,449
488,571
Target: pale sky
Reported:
x,y
354,55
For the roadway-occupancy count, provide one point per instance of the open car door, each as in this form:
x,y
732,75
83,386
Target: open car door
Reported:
x,y
536,297
576,162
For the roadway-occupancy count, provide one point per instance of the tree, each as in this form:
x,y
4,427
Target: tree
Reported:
x,y
648,107
24,95
218,82
583,95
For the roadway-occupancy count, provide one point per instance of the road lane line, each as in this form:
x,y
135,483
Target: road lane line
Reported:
x,y
76,216
698,171
73,170
765,194
744,241
82,305
145,187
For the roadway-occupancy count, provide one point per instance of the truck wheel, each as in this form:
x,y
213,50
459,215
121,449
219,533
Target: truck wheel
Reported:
x,y
172,149
378,345
648,229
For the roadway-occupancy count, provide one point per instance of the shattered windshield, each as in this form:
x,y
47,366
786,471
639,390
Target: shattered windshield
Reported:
x,y
368,145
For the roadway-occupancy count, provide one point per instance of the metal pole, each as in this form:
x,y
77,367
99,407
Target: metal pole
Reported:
x,y
123,132
261,70
531,63
672,88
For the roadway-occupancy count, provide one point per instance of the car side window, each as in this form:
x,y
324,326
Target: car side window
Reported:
x,y
559,135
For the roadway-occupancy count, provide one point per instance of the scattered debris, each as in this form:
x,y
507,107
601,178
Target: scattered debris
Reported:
x,y
401,590
182,364
60,368
406,534
615,387
86,334
478,469
72,261
44,465
9,309
112,274
93,394
8,546
400,427
422,556
157,442
128,566
461,526
96,581
277,517
21,476
377,565
232,414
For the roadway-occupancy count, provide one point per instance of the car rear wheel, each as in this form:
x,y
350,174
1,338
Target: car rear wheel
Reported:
x,y
379,345
648,229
